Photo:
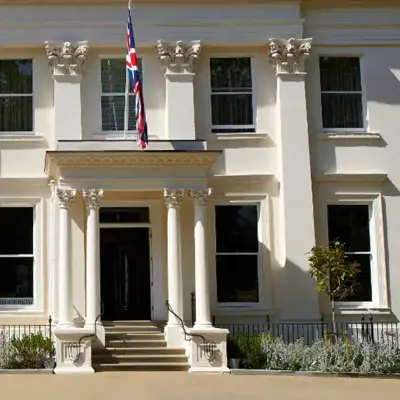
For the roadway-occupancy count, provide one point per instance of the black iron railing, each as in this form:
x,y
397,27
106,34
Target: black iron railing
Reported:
x,y
366,329
10,332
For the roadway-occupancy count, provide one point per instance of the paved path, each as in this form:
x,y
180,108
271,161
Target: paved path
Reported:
x,y
176,385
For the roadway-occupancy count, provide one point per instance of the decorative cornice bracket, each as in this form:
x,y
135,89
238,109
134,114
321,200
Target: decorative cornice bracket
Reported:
x,y
178,58
67,58
289,56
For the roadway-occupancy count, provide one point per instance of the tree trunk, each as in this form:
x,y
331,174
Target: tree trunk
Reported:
x,y
333,316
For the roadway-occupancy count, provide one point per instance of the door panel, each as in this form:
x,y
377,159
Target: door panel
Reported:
x,y
125,273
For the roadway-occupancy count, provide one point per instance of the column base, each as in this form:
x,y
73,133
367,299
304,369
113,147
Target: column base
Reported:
x,y
73,350
174,336
201,359
203,325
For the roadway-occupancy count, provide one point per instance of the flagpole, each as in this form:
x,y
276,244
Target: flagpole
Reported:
x,y
127,85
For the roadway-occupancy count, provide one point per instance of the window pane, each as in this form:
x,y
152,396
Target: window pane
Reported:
x,y
113,73
237,279
16,277
340,74
15,77
232,74
236,229
363,290
350,225
132,214
232,109
112,113
16,114
342,110
16,233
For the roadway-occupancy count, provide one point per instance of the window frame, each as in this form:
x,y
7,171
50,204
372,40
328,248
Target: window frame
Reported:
x,y
377,238
253,127
261,257
8,134
115,135
37,204
364,103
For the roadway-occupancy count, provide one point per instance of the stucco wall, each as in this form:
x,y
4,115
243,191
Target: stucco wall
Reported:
x,y
373,34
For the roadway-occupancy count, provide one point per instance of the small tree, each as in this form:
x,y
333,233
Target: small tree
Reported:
x,y
334,273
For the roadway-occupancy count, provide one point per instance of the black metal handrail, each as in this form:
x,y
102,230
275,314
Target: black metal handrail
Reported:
x,y
208,345
77,345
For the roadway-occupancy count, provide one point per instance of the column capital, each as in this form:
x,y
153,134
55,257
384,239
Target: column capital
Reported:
x,y
289,56
92,197
199,196
65,197
179,57
66,58
173,197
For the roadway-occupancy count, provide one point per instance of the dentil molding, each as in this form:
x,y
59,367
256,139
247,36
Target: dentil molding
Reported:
x,y
173,197
66,58
289,55
178,57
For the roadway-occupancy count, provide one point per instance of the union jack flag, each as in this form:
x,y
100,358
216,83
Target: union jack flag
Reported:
x,y
134,76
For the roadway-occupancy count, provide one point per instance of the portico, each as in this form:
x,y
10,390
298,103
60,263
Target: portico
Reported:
x,y
86,181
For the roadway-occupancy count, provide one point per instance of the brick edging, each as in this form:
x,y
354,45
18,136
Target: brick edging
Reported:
x,y
27,371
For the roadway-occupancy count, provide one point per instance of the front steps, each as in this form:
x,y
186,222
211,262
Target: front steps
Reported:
x,y
137,346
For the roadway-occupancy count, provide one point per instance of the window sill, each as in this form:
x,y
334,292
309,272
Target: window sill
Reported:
x,y
358,310
20,138
349,135
235,136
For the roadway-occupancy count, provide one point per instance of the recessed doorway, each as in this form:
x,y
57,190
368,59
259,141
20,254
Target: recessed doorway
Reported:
x,y
125,265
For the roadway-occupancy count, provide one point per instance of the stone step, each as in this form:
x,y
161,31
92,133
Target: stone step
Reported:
x,y
141,366
138,343
139,358
134,336
128,323
144,350
131,329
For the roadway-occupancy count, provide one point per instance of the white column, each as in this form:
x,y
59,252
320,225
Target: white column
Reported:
x,y
65,199
202,282
173,199
178,62
299,296
67,63
92,198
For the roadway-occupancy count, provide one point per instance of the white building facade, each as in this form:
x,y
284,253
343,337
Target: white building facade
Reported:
x,y
272,128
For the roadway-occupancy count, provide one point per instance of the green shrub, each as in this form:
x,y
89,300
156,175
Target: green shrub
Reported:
x,y
336,357
250,349
30,351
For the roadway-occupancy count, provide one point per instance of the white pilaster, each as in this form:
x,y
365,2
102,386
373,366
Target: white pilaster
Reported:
x,y
67,63
173,199
65,199
92,198
202,283
178,64
296,197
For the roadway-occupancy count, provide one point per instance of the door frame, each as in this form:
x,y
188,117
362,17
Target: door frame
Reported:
x,y
155,243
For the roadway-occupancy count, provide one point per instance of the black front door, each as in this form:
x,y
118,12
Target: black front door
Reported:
x,y
125,273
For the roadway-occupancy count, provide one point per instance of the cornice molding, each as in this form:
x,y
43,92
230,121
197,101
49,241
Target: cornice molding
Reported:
x,y
129,159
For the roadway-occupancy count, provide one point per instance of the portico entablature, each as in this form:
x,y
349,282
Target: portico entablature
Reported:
x,y
131,170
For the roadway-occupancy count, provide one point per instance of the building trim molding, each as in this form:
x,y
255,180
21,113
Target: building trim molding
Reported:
x,y
129,159
378,177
